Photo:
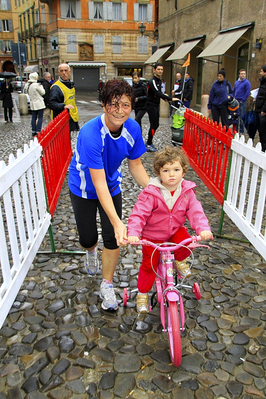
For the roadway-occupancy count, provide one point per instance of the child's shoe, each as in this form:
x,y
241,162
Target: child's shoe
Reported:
x,y
142,303
183,268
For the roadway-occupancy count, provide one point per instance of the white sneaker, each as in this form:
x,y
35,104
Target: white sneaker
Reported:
x,y
107,294
91,262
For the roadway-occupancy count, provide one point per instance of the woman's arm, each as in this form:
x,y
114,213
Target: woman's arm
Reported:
x,y
138,172
99,181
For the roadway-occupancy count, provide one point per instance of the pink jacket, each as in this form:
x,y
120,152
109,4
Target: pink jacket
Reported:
x,y
152,219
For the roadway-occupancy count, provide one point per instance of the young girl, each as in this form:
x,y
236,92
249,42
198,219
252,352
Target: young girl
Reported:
x,y
160,213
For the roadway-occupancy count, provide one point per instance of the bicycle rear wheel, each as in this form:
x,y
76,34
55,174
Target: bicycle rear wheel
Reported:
x,y
174,334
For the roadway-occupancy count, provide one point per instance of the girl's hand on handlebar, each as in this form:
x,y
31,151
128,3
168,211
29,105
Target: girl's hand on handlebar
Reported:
x,y
132,239
206,235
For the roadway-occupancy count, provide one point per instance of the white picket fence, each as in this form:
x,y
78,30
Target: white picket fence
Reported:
x,y
24,220
245,203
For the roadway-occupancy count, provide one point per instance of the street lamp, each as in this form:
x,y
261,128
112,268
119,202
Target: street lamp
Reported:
x,y
153,35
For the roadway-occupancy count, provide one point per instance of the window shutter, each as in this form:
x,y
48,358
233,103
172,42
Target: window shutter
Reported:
x,y
91,9
10,25
78,10
63,9
150,12
117,44
143,45
98,44
124,11
105,11
136,12
1,24
109,11
8,5
1,46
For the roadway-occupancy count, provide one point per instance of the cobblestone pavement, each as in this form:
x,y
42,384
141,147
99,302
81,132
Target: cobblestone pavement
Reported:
x,y
57,342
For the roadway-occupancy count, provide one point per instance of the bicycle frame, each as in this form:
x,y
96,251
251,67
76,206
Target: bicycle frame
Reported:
x,y
168,295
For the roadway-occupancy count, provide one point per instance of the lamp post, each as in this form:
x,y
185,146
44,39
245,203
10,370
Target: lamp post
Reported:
x,y
153,35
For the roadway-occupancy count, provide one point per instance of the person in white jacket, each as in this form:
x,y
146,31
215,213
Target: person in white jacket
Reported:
x,y
36,92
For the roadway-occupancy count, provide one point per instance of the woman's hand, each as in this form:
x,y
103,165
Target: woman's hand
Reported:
x,y
206,235
120,233
132,239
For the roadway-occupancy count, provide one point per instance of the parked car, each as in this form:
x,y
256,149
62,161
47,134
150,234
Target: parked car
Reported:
x,y
19,82
128,79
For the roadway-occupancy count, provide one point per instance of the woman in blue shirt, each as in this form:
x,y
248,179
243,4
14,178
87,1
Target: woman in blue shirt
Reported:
x,y
95,180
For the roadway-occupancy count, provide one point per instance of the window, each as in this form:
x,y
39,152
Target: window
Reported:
x,y
98,10
142,12
71,43
5,24
143,45
37,17
7,46
116,12
98,44
71,9
5,5
117,44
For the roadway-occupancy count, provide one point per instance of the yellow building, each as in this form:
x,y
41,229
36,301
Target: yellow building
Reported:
x,y
99,39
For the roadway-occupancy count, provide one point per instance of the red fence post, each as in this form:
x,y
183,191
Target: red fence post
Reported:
x,y
57,153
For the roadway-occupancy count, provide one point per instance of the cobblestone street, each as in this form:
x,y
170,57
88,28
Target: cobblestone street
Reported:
x,y
57,342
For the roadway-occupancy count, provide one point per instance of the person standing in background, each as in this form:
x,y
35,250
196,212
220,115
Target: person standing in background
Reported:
x,y
260,107
45,81
188,90
177,90
140,90
36,92
241,92
6,96
154,94
63,96
220,93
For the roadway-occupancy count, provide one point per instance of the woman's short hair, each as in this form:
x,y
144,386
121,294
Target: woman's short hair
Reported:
x,y
116,88
170,155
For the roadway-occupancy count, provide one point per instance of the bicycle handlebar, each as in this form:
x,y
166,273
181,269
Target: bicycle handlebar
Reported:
x,y
163,248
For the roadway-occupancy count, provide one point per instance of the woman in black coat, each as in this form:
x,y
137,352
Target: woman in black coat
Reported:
x,y
6,90
140,90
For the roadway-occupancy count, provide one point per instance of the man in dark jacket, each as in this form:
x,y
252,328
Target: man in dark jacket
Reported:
x,y
154,94
260,107
63,96
188,90
45,81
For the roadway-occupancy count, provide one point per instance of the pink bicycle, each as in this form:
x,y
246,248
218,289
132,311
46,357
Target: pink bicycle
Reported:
x,y
169,294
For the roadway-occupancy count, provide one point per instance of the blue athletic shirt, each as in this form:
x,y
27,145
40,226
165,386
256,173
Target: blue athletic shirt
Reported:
x,y
97,149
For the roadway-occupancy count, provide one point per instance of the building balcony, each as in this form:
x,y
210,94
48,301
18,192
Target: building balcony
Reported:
x,y
40,30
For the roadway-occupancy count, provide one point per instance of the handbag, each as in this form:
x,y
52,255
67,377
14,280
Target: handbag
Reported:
x,y
2,95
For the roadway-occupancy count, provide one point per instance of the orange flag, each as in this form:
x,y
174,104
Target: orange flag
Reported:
x,y
187,62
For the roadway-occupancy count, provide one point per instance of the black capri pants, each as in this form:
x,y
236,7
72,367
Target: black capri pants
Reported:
x,y
85,211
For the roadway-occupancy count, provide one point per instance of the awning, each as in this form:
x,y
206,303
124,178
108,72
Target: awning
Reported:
x,y
87,64
222,43
157,55
183,50
31,69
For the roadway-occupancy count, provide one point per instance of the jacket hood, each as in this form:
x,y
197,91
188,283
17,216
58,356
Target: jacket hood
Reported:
x,y
165,193
33,77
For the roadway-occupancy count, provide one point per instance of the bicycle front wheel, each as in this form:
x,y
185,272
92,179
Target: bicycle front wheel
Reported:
x,y
174,334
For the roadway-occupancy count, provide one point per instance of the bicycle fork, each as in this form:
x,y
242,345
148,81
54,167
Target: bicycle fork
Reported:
x,y
169,294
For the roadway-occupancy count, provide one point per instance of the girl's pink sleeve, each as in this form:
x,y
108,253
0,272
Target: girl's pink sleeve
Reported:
x,y
195,214
140,214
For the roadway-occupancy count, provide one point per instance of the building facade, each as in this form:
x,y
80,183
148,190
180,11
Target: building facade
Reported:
x,y
216,33
98,39
7,36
